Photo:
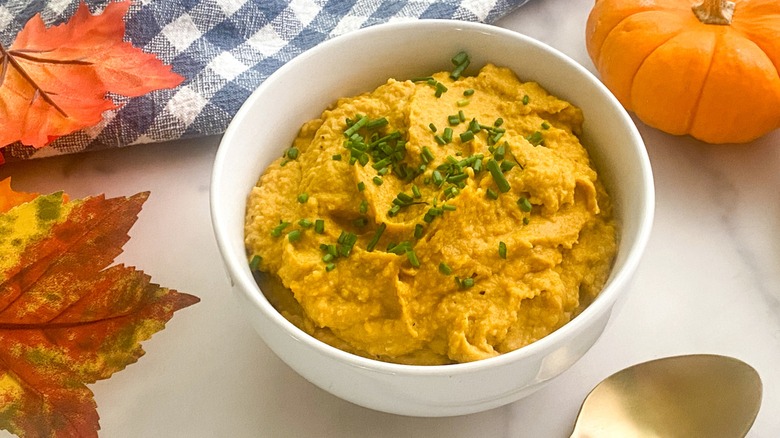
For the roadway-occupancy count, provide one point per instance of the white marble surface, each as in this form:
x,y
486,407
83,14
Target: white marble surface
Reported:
x,y
709,283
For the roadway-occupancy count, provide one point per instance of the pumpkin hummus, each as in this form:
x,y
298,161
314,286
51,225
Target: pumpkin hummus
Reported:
x,y
434,221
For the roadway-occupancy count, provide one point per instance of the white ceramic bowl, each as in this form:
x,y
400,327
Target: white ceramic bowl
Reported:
x,y
360,61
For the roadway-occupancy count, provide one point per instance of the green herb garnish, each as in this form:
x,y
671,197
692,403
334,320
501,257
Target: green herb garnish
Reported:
x,y
277,230
254,264
498,176
524,204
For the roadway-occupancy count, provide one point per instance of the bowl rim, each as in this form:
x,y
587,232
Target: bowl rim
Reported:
x,y
604,302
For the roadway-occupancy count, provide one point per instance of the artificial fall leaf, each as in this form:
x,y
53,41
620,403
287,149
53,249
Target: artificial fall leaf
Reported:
x,y
66,318
9,198
54,81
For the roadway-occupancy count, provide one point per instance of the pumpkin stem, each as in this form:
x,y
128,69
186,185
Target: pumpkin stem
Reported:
x,y
714,11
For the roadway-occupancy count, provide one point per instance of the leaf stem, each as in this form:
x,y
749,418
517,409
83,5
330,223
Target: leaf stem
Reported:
x,y
9,58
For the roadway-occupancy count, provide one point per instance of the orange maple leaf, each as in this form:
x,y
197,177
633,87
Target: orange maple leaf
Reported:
x,y
54,81
66,319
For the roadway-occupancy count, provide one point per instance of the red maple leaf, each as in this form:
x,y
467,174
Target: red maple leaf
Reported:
x,y
66,318
54,81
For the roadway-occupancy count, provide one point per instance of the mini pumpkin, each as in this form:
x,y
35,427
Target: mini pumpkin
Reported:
x,y
710,69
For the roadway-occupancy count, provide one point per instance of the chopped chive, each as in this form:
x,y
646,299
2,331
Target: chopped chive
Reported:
x,y
498,177
416,191
346,242
463,102
363,208
447,134
437,178
418,231
457,178
460,58
545,125
277,230
435,211
466,136
412,257
394,210
507,165
381,164
405,198
422,79
327,258
377,123
474,126
400,248
502,250
294,235
464,283
468,92
477,166
445,269
461,116
449,207
461,61
536,138
377,180
439,139
360,222
377,234
432,127
336,157
524,204
500,152
440,89
361,186
292,153
526,220
330,266
319,226
499,121
305,223
526,99
457,71
427,154
453,119
451,192
303,197
254,264
356,126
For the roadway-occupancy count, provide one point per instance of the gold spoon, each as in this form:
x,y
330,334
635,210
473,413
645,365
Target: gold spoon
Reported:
x,y
699,395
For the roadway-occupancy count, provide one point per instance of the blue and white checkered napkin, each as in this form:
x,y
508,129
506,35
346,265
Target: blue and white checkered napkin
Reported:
x,y
224,49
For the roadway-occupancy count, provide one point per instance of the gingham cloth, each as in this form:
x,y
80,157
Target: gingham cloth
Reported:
x,y
224,49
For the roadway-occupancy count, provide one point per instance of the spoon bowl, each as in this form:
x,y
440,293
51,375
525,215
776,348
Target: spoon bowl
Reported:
x,y
683,396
